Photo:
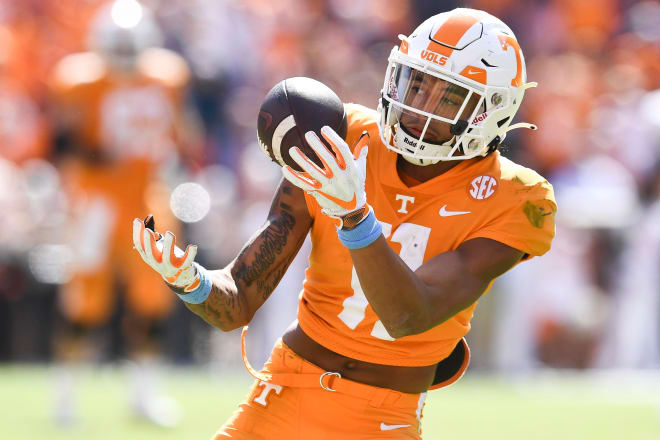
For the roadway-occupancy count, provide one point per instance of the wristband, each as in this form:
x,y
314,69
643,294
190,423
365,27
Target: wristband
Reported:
x,y
363,234
202,291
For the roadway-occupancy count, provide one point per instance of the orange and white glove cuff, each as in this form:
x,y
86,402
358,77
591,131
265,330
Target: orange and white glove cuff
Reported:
x,y
175,266
200,289
352,219
186,279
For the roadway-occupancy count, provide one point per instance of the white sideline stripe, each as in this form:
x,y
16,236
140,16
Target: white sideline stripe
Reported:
x,y
282,129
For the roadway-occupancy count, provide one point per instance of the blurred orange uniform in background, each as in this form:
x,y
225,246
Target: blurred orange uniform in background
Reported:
x,y
122,127
23,129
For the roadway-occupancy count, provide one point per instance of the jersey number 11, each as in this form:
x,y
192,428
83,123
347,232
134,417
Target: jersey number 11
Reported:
x,y
413,239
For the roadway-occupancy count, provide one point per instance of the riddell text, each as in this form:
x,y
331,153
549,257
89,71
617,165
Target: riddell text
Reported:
x,y
434,57
480,118
410,142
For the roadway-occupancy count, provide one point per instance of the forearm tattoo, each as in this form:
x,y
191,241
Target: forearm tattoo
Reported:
x,y
266,285
272,241
258,268
222,308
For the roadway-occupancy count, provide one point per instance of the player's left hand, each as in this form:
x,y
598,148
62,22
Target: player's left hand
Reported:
x,y
164,256
338,187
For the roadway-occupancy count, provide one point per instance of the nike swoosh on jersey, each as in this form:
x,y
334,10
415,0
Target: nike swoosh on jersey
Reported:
x,y
473,72
384,427
445,213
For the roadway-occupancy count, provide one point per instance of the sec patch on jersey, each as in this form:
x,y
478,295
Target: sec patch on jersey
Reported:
x,y
292,108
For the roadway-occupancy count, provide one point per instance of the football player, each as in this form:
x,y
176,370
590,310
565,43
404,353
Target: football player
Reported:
x,y
405,240
121,117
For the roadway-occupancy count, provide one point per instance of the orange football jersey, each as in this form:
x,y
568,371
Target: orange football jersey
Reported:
x,y
126,117
489,197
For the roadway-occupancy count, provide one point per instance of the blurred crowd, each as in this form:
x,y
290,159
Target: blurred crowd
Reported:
x,y
112,110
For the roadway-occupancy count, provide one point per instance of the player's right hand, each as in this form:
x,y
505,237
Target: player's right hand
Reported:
x,y
161,253
338,187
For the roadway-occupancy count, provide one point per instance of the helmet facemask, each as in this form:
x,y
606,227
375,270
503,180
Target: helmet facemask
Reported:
x,y
426,115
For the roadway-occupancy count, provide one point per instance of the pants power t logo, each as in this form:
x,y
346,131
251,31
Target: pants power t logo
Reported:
x,y
268,387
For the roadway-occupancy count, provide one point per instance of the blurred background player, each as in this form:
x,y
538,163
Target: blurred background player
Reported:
x,y
121,121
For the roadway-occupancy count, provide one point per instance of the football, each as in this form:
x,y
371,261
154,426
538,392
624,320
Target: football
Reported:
x,y
292,108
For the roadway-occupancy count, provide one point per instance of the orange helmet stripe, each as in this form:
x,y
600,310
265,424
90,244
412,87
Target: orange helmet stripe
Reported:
x,y
404,47
507,41
451,32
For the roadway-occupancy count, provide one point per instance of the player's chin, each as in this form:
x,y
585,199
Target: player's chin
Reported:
x,y
438,134
432,136
437,139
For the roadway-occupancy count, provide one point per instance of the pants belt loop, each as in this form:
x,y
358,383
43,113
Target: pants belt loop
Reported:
x,y
379,397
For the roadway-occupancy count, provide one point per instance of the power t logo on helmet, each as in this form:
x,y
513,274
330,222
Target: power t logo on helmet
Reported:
x,y
458,66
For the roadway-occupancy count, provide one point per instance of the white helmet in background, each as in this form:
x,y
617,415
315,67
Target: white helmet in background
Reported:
x,y
452,88
121,30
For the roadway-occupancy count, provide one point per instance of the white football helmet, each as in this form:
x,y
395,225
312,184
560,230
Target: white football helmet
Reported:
x,y
121,30
452,88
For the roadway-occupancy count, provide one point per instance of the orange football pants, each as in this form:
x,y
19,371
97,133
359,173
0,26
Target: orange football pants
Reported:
x,y
109,197
297,401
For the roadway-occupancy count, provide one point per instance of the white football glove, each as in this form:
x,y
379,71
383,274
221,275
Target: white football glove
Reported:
x,y
158,251
339,186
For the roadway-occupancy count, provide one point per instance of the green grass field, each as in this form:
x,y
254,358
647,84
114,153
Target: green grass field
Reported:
x,y
547,406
